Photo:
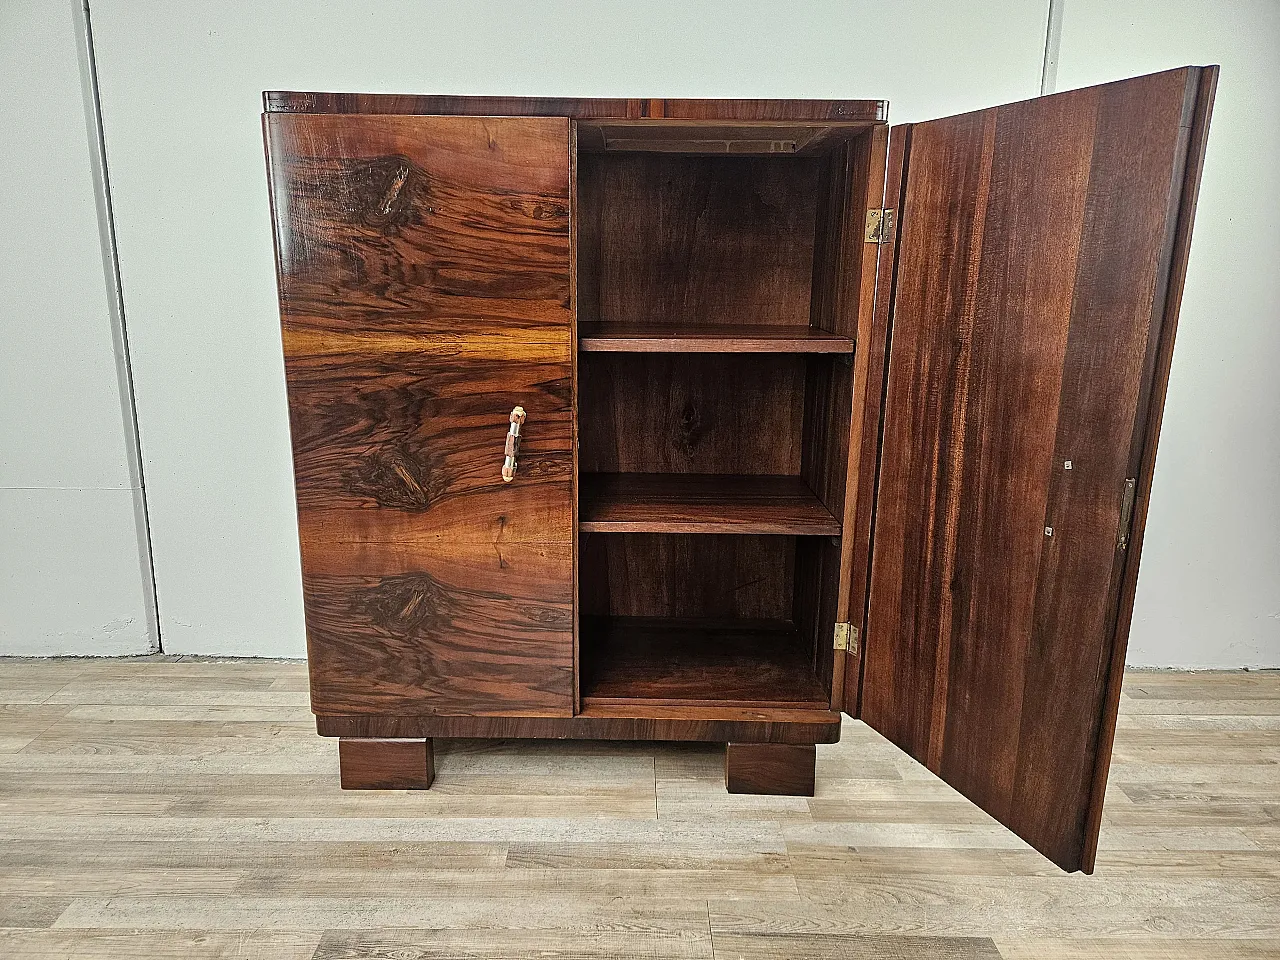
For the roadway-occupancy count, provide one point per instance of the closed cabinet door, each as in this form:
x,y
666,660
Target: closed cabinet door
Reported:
x,y
1038,269
424,273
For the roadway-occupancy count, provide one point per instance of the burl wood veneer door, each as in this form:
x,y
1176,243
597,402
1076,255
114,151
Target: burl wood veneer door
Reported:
x,y
424,275
1039,268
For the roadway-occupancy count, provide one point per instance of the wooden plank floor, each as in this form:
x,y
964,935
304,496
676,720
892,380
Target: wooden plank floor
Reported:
x,y
183,809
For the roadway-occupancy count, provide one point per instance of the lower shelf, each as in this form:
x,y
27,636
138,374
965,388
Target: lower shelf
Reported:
x,y
708,338
748,662
702,503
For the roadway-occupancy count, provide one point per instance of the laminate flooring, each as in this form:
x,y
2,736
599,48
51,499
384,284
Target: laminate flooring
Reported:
x,y
174,808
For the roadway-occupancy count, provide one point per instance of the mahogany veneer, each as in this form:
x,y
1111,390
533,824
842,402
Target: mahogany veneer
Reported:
x,y
700,503
712,419
386,764
595,337
760,663
770,768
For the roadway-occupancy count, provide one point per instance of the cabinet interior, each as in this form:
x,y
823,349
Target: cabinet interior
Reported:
x,y
717,307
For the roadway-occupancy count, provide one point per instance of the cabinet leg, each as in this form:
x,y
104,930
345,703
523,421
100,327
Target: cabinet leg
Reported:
x,y
386,764
782,769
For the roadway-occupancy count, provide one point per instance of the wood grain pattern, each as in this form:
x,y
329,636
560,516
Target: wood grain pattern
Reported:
x,y
770,768
455,225
386,764
885,160
745,662
838,235
824,455
773,109
1168,300
844,267
701,503
708,338
815,603
708,137
432,266
425,289
686,240
992,596
694,253
285,101
729,576
483,630
575,243
512,944
612,720
691,413
389,445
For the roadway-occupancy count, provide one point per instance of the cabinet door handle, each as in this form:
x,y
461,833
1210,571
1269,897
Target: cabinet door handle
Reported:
x,y
513,445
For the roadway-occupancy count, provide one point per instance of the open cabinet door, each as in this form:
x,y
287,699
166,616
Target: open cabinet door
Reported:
x,y
1034,291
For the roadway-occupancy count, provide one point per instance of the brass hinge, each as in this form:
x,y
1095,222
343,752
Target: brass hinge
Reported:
x,y
879,225
1126,513
846,638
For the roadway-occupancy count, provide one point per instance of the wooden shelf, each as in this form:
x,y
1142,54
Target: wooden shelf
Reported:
x,y
708,338
759,138
701,503
762,663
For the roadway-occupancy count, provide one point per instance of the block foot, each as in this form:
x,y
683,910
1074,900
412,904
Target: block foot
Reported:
x,y
781,769
386,764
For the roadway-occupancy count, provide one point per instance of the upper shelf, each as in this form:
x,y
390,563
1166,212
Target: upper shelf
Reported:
x,y
744,138
701,503
708,338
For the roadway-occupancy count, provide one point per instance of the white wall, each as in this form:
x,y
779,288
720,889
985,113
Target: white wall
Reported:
x,y
73,577
1209,586
181,87
181,92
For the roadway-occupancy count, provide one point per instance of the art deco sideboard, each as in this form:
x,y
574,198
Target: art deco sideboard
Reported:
x,y
712,420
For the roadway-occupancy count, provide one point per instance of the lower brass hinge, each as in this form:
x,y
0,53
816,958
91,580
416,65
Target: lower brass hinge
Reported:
x,y
846,638
879,225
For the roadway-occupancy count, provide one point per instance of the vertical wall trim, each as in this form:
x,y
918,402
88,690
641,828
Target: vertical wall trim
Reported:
x,y
1052,43
115,307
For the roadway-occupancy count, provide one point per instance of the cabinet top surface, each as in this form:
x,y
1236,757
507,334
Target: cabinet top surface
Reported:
x,y
287,101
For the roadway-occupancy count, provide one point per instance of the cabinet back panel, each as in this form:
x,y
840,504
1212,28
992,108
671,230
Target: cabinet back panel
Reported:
x,y
691,413
692,240
718,576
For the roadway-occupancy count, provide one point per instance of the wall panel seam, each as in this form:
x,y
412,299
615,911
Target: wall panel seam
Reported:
x,y
116,313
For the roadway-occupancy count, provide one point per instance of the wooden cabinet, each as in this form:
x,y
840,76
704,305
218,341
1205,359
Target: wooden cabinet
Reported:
x,y
814,417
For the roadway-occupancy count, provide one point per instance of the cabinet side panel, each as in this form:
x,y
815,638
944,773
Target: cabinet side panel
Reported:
x,y
877,171
575,240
